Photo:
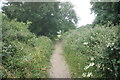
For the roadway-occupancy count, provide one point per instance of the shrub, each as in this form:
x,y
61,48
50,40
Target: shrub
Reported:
x,y
93,52
23,54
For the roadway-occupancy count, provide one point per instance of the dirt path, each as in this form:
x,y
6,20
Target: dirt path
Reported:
x,y
59,68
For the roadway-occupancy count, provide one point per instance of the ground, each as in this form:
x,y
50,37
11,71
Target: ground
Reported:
x,y
59,68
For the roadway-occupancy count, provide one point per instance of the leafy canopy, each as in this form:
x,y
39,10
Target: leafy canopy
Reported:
x,y
47,17
106,12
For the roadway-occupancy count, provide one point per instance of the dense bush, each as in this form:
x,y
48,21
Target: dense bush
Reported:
x,y
23,54
93,52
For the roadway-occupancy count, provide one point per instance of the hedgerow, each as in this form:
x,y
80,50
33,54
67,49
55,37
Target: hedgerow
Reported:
x,y
93,52
23,54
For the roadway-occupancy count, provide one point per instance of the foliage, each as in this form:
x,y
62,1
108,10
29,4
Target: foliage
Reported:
x,y
93,52
106,11
47,17
23,54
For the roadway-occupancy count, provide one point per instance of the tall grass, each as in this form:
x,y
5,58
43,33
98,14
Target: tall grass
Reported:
x,y
93,52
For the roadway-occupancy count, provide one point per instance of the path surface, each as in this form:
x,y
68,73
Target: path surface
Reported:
x,y
59,68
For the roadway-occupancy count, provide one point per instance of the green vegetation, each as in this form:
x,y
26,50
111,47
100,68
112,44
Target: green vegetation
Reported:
x,y
106,11
93,52
48,18
26,48
23,54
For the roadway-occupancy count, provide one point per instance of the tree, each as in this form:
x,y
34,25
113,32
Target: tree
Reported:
x,y
47,17
106,11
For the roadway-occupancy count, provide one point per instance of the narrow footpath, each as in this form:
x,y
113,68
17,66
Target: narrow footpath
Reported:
x,y
59,68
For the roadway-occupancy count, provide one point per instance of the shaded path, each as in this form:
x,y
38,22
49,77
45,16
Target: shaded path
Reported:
x,y
59,68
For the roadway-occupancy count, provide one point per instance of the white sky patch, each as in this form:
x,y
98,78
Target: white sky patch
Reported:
x,y
1,4
83,11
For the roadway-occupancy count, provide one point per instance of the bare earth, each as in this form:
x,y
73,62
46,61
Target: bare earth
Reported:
x,y
59,68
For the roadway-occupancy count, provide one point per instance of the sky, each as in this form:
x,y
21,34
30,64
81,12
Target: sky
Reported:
x,y
82,9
